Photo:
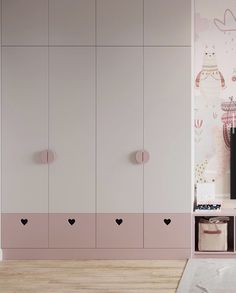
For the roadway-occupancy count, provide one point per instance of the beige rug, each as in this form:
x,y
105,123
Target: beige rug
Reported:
x,y
209,276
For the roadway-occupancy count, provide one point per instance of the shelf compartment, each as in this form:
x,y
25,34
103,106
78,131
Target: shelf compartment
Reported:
x,y
230,235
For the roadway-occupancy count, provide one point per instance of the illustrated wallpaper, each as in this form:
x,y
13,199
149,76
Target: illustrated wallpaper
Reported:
x,y
215,90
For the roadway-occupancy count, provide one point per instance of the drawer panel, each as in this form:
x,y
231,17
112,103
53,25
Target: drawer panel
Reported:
x,y
72,231
25,230
120,230
167,230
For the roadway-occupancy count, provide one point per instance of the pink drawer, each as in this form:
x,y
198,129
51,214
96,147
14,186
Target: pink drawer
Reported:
x,y
120,230
72,231
25,230
167,230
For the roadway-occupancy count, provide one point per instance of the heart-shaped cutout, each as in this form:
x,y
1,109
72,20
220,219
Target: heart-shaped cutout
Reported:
x,y
24,221
119,221
71,221
167,221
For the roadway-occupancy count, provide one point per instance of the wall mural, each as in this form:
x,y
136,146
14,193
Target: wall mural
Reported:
x,y
215,90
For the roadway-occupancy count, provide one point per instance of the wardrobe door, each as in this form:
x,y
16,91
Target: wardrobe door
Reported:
x,y
119,136
72,140
167,22
167,128
24,137
119,129
72,130
120,22
24,129
25,22
72,22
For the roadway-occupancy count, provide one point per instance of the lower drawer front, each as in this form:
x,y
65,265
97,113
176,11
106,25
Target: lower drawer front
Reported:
x,y
167,230
24,230
72,231
120,230
113,230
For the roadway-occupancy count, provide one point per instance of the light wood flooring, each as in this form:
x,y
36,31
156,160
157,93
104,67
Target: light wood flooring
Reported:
x,y
90,276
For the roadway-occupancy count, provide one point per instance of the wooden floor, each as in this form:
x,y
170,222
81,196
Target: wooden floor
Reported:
x,y
90,276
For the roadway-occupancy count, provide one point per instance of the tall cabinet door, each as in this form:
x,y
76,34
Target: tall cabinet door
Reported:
x,y
24,129
24,137
167,96
167,128
72,139
119,136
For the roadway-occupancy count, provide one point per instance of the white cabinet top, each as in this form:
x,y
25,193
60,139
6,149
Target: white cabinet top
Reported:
x,y
100,22
167,22
72,22
120,22
25,22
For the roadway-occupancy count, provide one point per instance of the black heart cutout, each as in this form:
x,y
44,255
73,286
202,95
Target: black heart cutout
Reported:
x,y
119,221
167,221
24,221
71,221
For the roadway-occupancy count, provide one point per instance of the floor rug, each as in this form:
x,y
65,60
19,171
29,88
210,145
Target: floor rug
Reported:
x,y
209,276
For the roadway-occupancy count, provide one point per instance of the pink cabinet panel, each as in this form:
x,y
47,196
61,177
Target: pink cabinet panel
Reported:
x,y
72,231
120,230
24,230
167,230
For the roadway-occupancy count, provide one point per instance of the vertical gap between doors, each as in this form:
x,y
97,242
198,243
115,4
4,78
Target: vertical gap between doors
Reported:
x,y
143,122
1,91
95,69
48,124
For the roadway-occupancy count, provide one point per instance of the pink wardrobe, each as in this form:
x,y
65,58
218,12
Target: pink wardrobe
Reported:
x,y
86,84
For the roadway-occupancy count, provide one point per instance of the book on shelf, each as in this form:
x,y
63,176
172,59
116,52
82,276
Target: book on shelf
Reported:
x,y
208,206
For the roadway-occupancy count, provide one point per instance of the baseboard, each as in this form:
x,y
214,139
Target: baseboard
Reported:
x,y
95,254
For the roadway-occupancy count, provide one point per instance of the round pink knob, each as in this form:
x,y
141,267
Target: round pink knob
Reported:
x,y
44,157
142,157
51,156
47,156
